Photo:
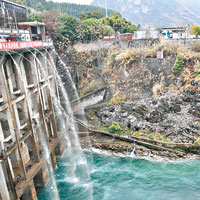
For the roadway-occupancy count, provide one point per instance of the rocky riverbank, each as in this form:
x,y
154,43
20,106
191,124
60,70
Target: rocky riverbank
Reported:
x,y
148,97
174,114
172,118
114,146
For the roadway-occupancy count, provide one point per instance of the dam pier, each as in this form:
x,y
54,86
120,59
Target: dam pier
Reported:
x,y
27,86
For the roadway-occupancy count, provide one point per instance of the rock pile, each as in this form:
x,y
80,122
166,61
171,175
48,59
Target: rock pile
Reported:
x,y
175,115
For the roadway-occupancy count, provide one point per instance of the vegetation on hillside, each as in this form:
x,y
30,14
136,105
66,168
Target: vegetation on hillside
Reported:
x,y
70,23
69,8
69,29
120,67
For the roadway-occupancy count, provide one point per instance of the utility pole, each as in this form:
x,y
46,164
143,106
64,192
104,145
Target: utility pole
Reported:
x,y
106,8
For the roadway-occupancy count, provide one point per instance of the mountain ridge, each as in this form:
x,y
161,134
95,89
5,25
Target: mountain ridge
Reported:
x,y
156,12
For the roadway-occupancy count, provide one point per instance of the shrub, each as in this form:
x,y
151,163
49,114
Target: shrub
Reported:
x,y
177,68
151,136
170,49
115,128
197,142
91,86
104,128
117,99
196,46
137,133
128,132
166,140
197,69
158,136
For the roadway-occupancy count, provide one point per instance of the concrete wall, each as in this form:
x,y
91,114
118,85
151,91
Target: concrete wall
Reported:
x,y
142,43
90,99
136,43
188,42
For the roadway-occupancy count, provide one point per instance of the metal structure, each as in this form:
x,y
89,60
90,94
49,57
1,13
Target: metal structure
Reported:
x,y
11,13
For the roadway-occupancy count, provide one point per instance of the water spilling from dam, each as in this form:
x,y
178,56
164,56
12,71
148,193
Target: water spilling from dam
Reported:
x,y
74,154
69,131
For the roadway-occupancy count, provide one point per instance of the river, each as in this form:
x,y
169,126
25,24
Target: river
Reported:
x,y
117,178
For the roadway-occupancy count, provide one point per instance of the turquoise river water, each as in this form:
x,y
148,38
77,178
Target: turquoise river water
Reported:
x,y
116,178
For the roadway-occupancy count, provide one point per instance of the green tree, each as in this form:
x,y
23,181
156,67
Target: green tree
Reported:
x,y
131,28
93,28
119,24
34,17
68,27
117,14
108,30
82,16
195,30
179,64
91,21
93,14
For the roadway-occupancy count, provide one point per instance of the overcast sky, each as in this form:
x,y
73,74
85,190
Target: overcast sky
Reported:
x,y
75,1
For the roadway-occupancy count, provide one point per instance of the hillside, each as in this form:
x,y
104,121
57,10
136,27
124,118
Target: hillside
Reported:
x,y
147,97
156,12
70,8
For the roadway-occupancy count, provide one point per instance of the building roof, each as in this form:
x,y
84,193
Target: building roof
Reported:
x,y
35,23
174,28
16,4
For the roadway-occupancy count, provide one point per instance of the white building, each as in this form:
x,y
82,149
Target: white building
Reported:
x,y
146,33
176,33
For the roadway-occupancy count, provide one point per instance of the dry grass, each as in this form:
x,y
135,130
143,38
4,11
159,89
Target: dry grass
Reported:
x,y
157,89
109,61
196,46
91,86
197,70
197,140
117,99
186,75
127,56
170,49
188,53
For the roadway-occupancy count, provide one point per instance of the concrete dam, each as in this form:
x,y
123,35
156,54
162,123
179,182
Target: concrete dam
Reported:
x,y
27,87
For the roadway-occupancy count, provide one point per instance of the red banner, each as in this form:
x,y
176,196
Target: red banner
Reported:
x,y
20,45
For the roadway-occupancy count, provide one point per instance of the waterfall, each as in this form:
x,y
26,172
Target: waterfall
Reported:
x,y
127,151
133,151
46,154
81,111
74,154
